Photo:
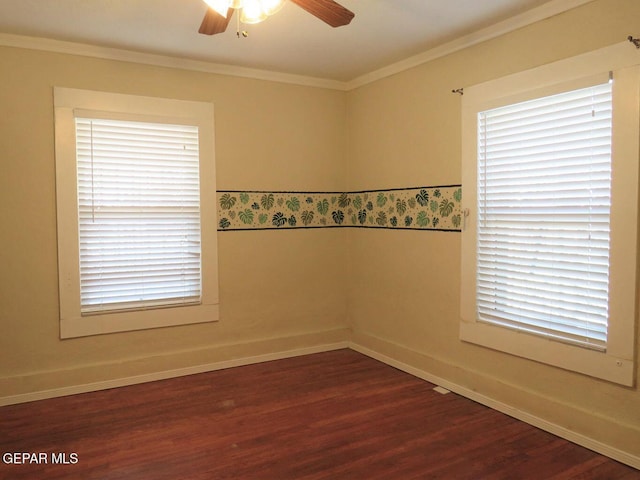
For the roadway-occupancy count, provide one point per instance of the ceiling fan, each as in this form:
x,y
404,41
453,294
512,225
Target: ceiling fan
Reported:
x,y
220,12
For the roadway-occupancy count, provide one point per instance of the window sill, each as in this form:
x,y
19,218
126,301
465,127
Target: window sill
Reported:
x,y
74,327
569,357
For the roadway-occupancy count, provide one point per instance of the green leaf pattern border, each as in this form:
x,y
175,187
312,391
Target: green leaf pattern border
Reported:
x,y
417,208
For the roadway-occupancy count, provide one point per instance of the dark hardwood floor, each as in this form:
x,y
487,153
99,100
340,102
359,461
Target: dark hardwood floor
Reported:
x,y
335,415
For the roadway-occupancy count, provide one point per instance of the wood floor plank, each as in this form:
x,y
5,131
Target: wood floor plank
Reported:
x,y
334,415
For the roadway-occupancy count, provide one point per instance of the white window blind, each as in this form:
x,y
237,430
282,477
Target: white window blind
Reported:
x,y
139,214
544,190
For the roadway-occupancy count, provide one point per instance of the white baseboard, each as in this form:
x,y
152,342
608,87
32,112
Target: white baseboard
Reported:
x,y
533,420
163,375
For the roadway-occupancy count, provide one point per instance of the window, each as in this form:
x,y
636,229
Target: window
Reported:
x,y
544,194
550,170
136,212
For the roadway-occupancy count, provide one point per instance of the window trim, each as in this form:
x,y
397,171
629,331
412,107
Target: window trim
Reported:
x,y
617,363
72,323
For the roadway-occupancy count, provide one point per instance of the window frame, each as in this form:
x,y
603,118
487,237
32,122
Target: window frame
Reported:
x,y
617,363
129,107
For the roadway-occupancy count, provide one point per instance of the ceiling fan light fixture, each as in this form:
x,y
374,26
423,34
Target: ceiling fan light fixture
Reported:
x,y
252,12
217,17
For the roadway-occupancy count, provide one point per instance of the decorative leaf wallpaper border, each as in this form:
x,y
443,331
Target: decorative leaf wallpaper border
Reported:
x,y
417,208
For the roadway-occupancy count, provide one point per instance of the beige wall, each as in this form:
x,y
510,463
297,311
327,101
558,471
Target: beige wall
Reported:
x,y
398,290
404,290
278,290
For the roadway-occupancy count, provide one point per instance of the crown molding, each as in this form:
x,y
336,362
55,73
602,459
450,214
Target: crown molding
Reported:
x,y
554,7
547,10
108,53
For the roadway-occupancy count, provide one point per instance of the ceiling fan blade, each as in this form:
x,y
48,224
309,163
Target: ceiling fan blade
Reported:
x,y
213,22
327,10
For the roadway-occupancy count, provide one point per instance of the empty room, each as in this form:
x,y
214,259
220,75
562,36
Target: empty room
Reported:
x,y
319,239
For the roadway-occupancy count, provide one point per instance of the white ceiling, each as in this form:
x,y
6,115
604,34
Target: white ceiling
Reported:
x,y
382,33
